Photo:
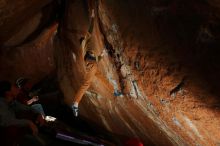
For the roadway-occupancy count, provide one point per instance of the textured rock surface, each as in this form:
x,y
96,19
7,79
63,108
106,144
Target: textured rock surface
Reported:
x,y
14,13
26,40
162,55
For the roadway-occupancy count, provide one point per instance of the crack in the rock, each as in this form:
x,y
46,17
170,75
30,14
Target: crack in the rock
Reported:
x,y
178,87
111,51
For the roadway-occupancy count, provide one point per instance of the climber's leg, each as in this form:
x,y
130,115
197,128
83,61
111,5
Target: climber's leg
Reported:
x,y
91,69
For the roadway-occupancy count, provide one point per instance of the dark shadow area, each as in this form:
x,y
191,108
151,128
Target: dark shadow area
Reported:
x,y
51,99
194,42
185,33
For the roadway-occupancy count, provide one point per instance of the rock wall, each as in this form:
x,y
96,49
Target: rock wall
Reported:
x,y
26,39
164,62
162,55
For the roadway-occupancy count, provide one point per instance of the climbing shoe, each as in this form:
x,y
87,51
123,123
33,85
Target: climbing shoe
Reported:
x,y
75,111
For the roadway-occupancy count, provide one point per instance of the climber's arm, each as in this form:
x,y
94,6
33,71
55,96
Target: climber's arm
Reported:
x,y
91,22
84,40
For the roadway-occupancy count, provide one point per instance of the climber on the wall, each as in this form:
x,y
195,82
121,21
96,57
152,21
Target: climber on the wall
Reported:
x,y
91,61
91,58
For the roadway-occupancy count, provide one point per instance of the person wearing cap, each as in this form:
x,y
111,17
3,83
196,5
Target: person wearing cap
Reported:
x,y
24,95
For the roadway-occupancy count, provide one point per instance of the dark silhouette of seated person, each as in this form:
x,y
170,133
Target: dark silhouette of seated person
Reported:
x,y
25,97
15,123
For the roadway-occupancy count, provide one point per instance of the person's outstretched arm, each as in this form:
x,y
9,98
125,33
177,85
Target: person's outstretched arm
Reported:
x,y
91,25
84,40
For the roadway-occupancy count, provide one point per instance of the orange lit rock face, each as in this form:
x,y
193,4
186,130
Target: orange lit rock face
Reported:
x,y
33,60
14,13
161,46
164,58
25,40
